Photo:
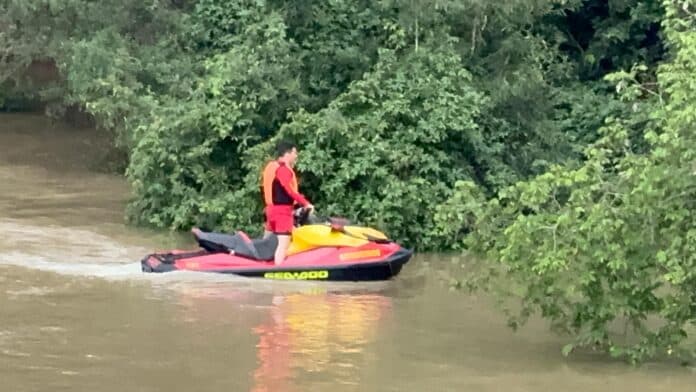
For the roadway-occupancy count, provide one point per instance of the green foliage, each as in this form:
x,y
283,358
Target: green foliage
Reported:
x,y
50,30
337,43
603,36
188,157
611,241
388,150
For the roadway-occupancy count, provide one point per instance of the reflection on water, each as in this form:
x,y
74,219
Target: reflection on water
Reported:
x,y
307,333
300,332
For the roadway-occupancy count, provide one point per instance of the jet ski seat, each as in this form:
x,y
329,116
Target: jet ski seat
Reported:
x,y
261,249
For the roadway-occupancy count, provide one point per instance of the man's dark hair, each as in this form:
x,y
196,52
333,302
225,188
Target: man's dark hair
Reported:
x,y
284,146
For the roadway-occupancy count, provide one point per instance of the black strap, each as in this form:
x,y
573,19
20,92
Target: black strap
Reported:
x,y
171,258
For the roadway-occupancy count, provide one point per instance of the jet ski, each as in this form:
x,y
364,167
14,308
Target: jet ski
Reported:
x,y
321,249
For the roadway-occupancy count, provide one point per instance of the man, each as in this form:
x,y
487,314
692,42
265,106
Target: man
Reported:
x,y
280,194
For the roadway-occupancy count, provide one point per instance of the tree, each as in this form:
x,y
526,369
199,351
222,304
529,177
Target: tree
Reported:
x,y
613,240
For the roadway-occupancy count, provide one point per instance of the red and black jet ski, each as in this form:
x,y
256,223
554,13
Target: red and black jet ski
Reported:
x,y
331,250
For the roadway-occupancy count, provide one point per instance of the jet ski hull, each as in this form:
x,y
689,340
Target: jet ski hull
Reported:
x,y
366,263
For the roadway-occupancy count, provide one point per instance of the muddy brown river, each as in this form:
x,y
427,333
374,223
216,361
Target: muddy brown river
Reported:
x,y
76,313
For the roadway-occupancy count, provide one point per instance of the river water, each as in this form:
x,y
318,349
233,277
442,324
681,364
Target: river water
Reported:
x,y
76,313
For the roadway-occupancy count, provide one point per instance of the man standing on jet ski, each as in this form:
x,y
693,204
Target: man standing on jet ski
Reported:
x,y
280,192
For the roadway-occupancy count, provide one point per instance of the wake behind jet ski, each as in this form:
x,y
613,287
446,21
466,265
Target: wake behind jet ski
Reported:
x,y
321,249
